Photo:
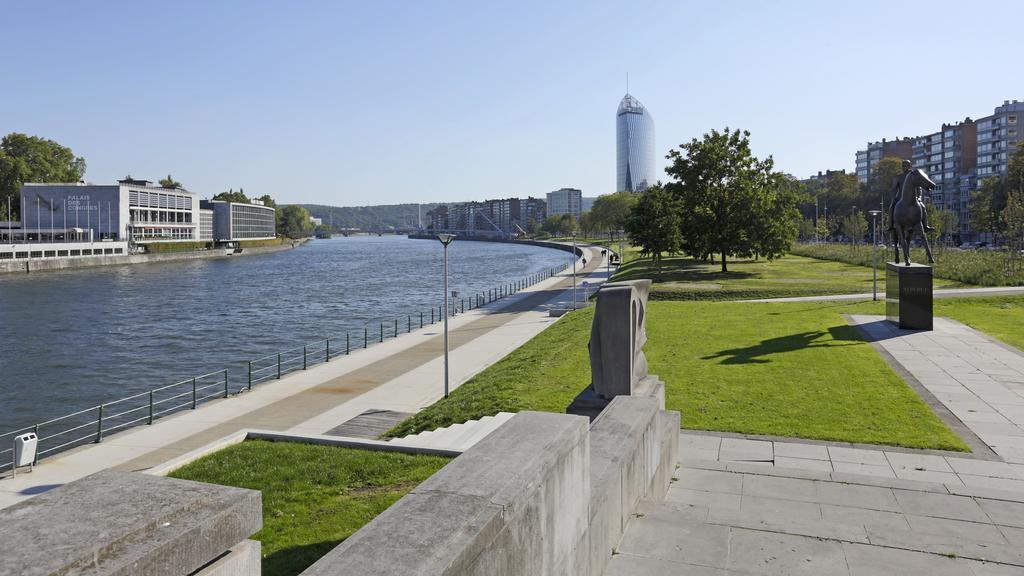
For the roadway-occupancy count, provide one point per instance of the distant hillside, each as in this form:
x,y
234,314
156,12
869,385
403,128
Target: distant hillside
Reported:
x,y
397,215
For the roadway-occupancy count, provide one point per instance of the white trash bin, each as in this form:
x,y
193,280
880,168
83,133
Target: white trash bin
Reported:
x,y
25,450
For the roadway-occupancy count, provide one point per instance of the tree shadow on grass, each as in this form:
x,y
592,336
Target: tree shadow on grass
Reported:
x,y
679,270
790,343
293,560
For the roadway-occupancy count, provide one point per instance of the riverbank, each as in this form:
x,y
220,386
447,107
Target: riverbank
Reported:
x,y
402,374
51,264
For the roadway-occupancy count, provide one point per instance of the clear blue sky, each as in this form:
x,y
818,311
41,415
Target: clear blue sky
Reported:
x,y
360,103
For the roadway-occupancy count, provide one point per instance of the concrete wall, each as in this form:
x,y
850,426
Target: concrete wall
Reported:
x,y
40,265
125,523
545,494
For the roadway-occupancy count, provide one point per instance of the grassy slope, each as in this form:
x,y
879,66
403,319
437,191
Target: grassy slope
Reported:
x,y
313,496
787,369
688,279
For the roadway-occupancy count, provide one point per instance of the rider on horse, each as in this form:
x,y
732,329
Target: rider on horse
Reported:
x,y
907,167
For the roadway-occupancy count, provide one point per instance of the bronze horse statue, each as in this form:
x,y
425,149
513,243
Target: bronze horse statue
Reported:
x,y
908,214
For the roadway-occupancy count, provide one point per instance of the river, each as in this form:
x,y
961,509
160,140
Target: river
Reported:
x,y
77,338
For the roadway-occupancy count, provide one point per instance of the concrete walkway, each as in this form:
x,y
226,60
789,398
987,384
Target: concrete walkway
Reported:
x,y
746,519
946,293
403,374
748,505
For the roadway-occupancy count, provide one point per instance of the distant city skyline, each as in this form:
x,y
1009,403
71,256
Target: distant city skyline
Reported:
x,y
355,104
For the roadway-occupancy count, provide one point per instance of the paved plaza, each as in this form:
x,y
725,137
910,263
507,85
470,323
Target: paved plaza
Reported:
x,y
757,505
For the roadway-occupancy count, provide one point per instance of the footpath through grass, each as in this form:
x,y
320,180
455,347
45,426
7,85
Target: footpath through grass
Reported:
x,y
314,497
788,369
688,279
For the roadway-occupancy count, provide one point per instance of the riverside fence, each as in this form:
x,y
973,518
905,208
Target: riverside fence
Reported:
x,y
91,425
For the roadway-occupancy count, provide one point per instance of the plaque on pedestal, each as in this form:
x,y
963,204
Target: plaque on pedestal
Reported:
x,y
908,295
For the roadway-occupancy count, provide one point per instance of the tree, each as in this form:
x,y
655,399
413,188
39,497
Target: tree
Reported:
x,y
294,222
611,211
776,230
654,224
727,197
1013,219
569,224
807,229
882,182
944,223
586,224
169,182
267,201
552,224
855,226
33,159
232,196
987,204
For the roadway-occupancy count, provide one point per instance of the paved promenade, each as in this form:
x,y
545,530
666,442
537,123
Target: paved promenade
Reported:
x,y
403,374
946,293
758,505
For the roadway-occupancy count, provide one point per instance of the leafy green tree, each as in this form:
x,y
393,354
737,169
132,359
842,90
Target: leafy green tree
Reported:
x,y
169,182
586,224
232,196
294,222
944,224
610,212
552,224
33,159
655,224
987,204
807,229
267,201
1012,217
855,226
882,182
775,231
569,224
725,195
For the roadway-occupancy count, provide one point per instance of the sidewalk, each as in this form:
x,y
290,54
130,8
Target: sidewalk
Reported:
x,y
946,293
403,374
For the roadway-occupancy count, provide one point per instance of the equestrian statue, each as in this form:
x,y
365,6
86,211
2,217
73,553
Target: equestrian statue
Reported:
x,y
907,214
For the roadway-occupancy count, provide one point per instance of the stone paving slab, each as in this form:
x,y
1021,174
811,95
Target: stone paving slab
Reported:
x,y
765,521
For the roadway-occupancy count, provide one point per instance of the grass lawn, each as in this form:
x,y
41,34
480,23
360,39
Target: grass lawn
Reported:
x,y
313,496
688,279
1001,317
789,369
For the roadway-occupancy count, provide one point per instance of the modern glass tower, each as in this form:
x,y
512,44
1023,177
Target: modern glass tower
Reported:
x,y
634,154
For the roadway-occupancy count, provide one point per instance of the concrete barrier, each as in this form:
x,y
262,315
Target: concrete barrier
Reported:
x,y
125,523
52,264
545,494
513,504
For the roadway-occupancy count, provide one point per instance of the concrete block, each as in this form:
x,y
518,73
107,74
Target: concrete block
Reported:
x,y
242,560
514,504
125,523
617,338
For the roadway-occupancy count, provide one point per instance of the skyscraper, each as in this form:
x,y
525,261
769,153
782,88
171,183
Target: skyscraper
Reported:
x,y
634,153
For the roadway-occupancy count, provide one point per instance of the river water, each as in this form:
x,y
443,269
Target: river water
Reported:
x,y
77,338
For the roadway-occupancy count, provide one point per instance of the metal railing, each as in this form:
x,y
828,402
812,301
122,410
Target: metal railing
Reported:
x,y
92,424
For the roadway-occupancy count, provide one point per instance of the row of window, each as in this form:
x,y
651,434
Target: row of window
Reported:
x,y
160,216
171,233
159,200
252,222
59,253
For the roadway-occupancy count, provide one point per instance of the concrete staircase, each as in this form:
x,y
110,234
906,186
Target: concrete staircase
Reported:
x,y
457,437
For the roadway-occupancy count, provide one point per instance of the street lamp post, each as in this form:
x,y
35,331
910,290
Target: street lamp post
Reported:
x,y
874,253
573,270
446,239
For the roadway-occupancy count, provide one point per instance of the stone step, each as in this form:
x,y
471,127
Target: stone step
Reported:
x,y
458,437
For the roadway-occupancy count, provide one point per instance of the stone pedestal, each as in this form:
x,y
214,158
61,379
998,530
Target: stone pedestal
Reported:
x,y
908,295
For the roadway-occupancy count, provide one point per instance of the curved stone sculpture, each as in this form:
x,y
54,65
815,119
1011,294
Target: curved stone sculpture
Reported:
x,y
617,338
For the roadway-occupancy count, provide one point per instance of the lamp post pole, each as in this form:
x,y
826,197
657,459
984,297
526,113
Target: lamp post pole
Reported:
x,y
446,239
573,270
874,253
